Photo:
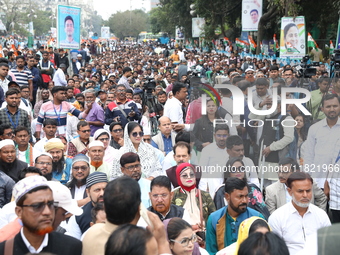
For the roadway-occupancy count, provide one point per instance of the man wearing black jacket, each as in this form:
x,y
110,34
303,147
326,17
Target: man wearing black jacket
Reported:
x,y
36,209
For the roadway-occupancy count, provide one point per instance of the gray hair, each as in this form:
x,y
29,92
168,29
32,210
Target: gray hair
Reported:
x,y
92,91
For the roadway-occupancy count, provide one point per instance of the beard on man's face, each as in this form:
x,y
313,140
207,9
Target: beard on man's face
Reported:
x,y
58,166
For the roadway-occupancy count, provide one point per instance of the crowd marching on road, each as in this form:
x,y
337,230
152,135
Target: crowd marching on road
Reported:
x,y
140,149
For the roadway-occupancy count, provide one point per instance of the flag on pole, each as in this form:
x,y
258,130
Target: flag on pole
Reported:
x,y
226,40
252,43
291,48
276,44
311,42
241,44
331,48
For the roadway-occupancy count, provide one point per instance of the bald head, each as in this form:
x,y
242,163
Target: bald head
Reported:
x,y
165,125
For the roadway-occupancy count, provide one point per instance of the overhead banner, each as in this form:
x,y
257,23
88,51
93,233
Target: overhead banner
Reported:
x,y
198,27
105,32
338,37
251,14
68,27
293,37
179,33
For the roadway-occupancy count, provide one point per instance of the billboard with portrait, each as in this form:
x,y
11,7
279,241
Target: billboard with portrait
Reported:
x,y
198,27
105,32
251,14
293,37
179,33
68,27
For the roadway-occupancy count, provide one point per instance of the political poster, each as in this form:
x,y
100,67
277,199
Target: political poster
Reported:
x,y
251,14
198,27
179,33
105,32
293,37
338,37
68,27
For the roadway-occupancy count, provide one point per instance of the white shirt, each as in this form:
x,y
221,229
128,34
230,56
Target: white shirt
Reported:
x,y
7,214
38,148
30,247
173,110
73,228
4,85
320,143
79,192
294,229
59,78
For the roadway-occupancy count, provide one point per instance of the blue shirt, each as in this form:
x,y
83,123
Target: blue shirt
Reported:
x,y
167,144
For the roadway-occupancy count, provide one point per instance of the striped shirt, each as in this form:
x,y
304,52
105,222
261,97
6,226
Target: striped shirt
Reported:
x,y
59,112
22,77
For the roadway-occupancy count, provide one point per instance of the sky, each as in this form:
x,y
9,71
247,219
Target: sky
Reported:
x,y
105,8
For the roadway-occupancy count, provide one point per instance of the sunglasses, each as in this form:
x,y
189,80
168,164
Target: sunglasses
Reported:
x,y
82,168
86,131
135,134
39,207
117,130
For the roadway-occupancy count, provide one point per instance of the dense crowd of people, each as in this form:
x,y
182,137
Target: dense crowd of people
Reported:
x,y
140,149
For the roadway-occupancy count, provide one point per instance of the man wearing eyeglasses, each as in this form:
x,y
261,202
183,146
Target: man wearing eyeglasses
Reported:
x,y
80,171
6,132
36,209
161,196
131,166
79,145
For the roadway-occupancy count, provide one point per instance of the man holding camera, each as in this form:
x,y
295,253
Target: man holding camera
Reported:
x,y
122,109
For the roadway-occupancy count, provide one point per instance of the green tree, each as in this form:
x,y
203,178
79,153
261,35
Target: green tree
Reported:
x,y
159,21
128,23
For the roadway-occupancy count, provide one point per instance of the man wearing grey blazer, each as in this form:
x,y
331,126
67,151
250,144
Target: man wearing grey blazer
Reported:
x,y
277,194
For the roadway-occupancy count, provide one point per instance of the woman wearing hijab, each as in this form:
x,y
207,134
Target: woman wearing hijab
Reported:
x,y
247,227
133,142
105,137
191,198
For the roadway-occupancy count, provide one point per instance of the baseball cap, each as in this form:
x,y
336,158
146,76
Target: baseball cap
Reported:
x,y
62,195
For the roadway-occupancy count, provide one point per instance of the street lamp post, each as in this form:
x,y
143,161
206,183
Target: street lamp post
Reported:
x,y
31,29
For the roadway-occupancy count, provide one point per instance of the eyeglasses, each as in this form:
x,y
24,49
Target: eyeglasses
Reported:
x,y
86,131
147,139
103,139
163,196
131,168
191,175
250,73
39,207
82,168
9,134
135,134
117,130
185,241
121,90
234,169
44,163
221,136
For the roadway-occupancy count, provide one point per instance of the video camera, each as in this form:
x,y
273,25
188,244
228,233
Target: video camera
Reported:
x,y
306,70
335,57
149,86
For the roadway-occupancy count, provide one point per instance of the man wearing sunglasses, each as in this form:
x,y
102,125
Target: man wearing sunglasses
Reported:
x,y
79,145
36,207
77,186
117,134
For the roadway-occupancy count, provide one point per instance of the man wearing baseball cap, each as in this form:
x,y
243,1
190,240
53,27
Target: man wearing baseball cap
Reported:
x,y
95,186
35,207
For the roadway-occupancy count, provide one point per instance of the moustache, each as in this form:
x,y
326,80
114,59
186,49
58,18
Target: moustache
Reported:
x,y
244,204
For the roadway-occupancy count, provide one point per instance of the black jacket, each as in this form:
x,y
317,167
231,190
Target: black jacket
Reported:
x,y
14,169
175,211
58,244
